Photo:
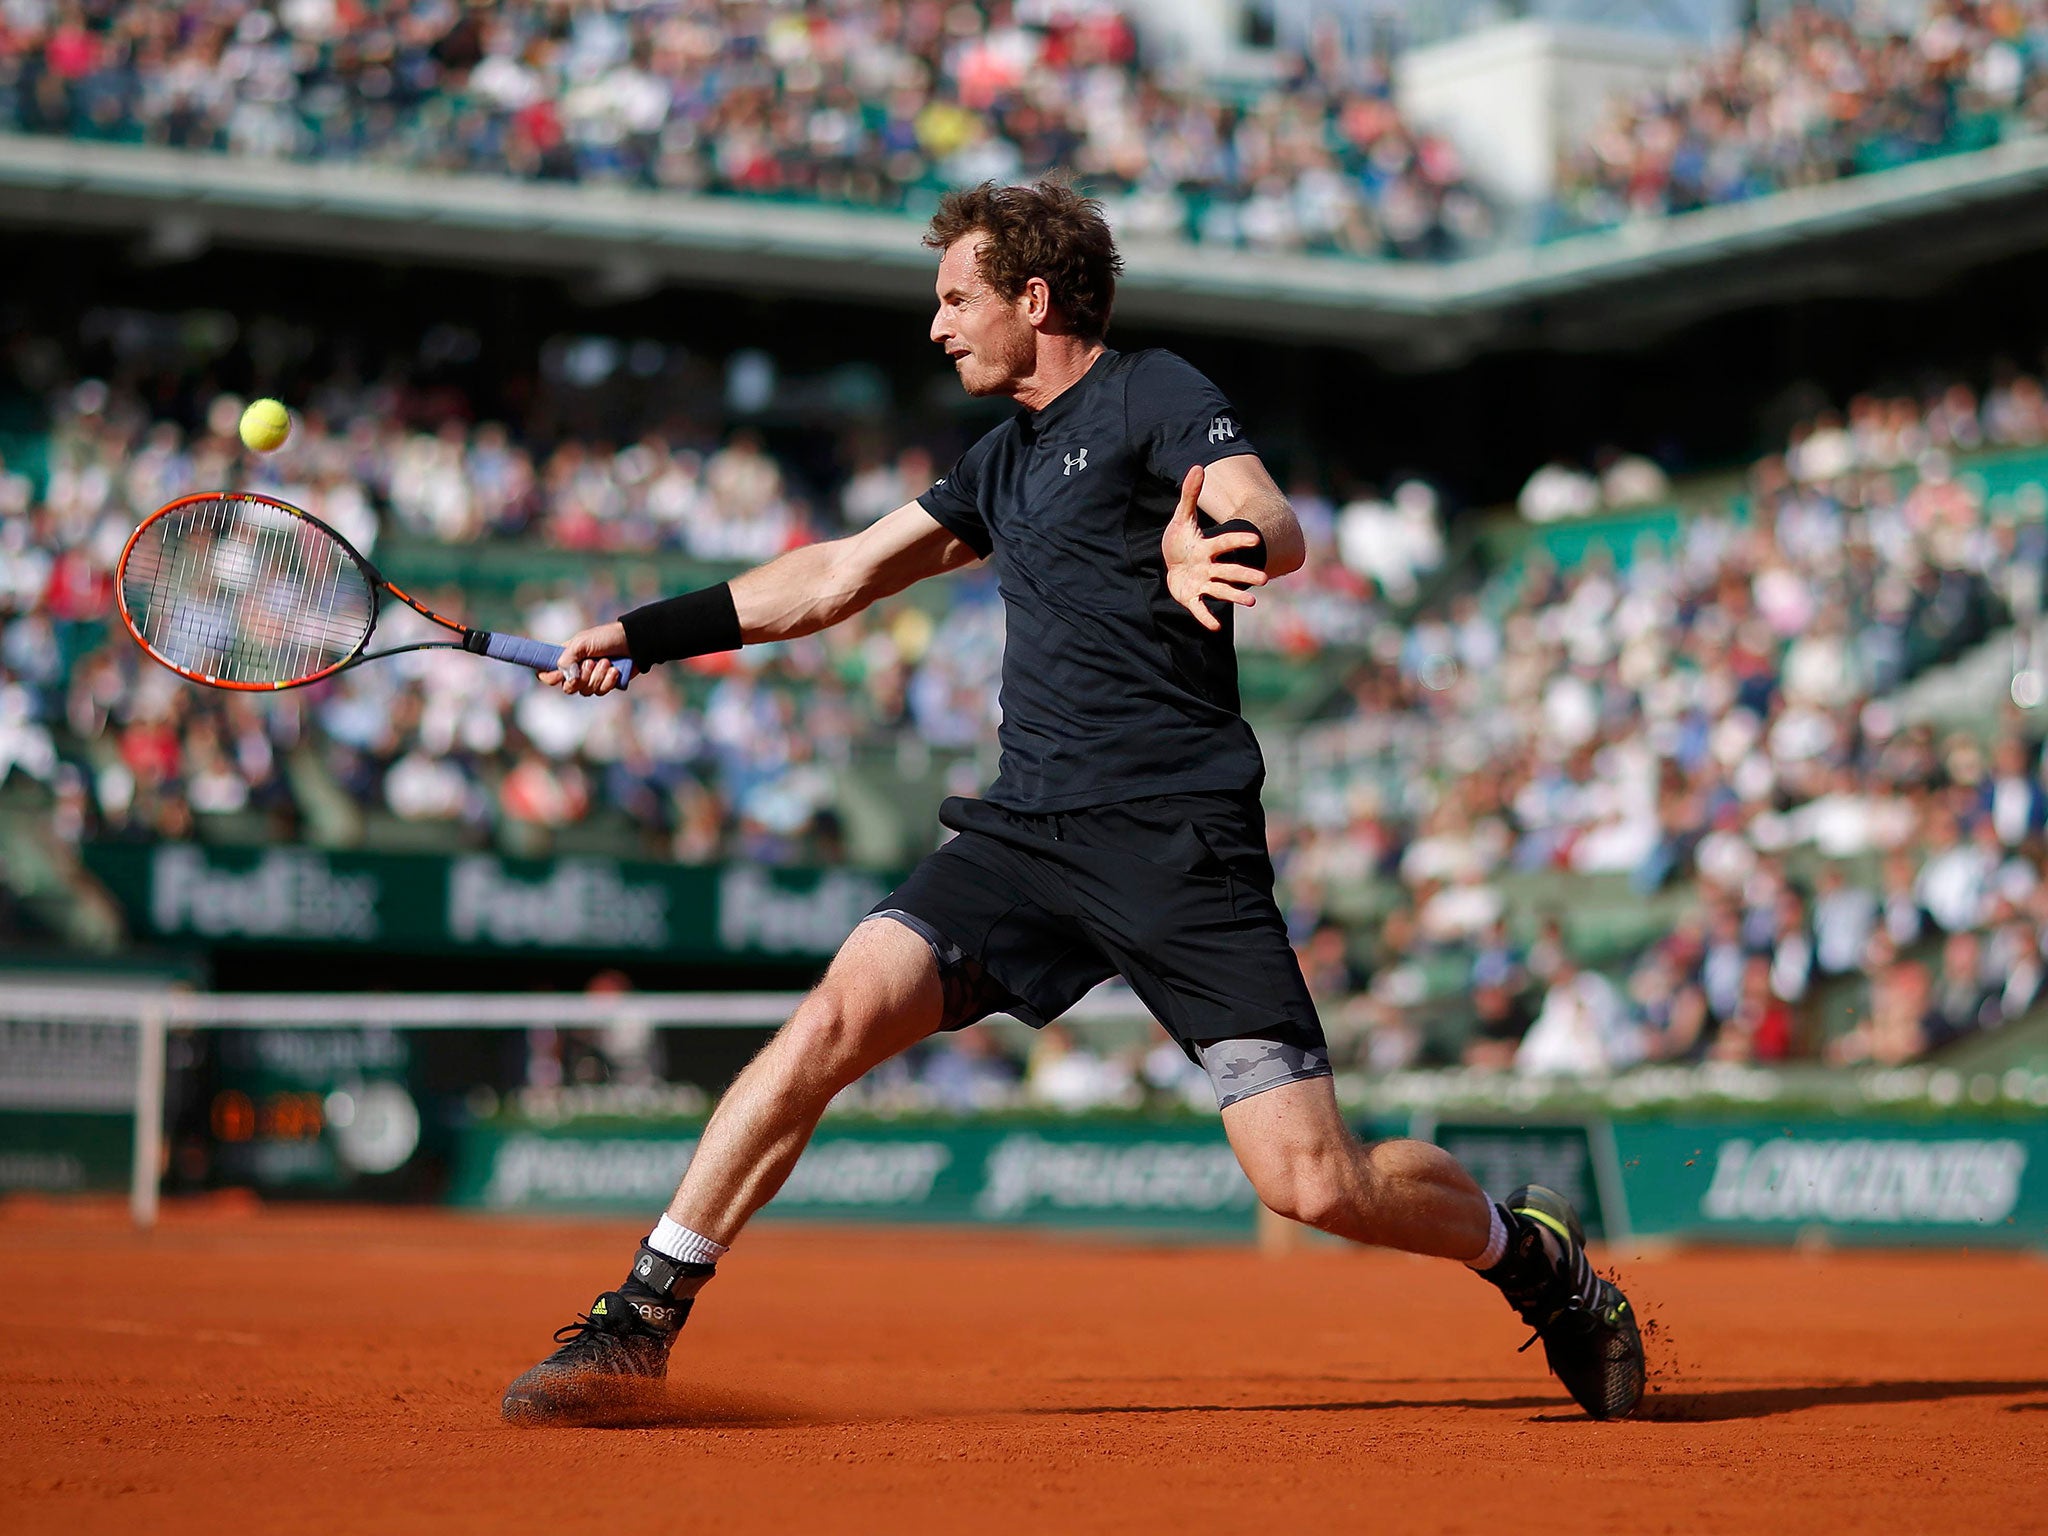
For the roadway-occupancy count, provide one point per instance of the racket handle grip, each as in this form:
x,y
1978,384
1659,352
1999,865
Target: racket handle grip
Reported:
x,y
537,654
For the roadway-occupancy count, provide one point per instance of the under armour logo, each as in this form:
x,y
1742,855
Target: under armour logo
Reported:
x,y
1222,430
1076,461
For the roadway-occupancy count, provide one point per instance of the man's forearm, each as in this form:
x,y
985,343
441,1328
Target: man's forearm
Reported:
x,y
798,593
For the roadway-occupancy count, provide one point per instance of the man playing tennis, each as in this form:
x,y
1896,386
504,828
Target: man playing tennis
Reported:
x,y
1123,834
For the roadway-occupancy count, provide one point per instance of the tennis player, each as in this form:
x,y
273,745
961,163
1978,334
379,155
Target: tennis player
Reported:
x,y
1128,515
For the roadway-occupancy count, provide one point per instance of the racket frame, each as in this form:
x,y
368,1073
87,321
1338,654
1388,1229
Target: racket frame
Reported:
x,y
476,641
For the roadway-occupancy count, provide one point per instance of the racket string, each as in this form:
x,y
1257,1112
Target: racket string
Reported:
x,y
241,591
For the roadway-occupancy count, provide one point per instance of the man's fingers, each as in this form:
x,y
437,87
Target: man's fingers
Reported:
x,y
1201,611
1242,539
1190,493
1241,575
1229,594
590,676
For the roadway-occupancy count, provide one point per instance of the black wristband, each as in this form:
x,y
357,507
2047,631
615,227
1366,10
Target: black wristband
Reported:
x,y
695,624
1253,555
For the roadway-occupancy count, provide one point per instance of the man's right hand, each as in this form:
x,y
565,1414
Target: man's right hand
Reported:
x,y
586,661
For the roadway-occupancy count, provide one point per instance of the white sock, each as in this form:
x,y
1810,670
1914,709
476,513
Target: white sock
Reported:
x,y
1496,1240
687,1247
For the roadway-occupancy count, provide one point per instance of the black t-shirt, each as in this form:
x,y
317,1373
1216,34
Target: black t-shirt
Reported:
x,y
1111,690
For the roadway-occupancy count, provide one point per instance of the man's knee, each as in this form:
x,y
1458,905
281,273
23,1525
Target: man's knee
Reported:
x,y
827,1031
1314,1185
880,996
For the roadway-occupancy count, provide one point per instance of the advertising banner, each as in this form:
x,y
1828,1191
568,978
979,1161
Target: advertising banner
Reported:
x,y
67,1093
63,1152
1167,1176
1976,1181
480,902
1504,1157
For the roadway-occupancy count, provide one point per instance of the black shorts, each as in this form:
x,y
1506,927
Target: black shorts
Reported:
x,y
1028,912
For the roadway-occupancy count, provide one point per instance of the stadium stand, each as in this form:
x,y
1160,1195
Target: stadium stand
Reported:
x,y
1693,721
857,105
1811,95
882,108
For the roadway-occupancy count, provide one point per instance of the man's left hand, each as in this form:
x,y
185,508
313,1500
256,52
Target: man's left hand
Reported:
x,y
1194,567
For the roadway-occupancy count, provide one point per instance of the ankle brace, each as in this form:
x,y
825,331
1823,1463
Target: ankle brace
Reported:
x,y
659,1275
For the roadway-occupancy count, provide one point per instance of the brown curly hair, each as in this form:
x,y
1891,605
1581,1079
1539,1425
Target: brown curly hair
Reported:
x,y
1048,231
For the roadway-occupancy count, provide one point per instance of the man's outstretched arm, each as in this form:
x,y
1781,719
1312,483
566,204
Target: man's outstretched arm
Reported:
x,y
799,593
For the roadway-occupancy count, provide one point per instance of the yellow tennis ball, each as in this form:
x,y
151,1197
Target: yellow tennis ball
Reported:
x,y
265,426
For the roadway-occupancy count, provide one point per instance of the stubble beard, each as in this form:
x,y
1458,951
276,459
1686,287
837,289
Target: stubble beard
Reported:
x,y
999,368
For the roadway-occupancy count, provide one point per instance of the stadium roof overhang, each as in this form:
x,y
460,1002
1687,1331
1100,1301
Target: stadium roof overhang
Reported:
x,y
1895,231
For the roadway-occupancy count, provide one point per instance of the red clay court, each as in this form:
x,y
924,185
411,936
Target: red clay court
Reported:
x,y
339,1370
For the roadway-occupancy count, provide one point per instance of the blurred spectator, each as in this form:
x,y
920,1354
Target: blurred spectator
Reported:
x,y
1065,1075
1393,543
1955,876
2012,797
1631,480
1843,919
970,1072
1501,1018
1892,1032
1557,492
1960,1003
1582,1029
1759,1029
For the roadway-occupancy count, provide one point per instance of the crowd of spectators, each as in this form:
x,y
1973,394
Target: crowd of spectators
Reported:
x,y
846,101
1812,95
884,105
1718,717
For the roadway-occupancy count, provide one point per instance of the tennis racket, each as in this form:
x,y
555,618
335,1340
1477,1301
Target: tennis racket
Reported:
x,y
236,590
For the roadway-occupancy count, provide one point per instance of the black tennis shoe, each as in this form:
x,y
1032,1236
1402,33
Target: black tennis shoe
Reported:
x,y
611,1359
1587,1326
